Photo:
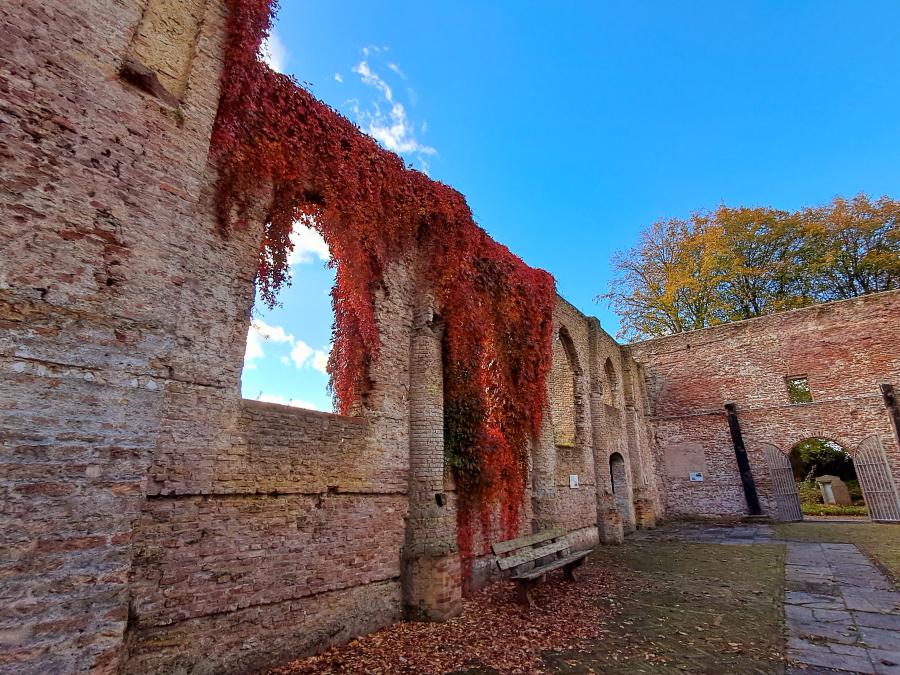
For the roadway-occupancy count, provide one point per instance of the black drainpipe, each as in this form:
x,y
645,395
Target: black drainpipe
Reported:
x,y
740,453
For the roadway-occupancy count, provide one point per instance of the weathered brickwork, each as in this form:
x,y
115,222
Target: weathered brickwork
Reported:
x,y
846,349
155,522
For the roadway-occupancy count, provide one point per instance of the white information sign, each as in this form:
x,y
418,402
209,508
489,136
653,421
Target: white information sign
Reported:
x,y
573,481
696,476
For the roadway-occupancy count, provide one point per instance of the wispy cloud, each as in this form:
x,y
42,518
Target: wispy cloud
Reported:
x,y
396,69
274,52
338,77
386,118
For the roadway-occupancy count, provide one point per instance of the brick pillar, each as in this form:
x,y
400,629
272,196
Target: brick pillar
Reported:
x,y
431,574
644,511
609,522
543,477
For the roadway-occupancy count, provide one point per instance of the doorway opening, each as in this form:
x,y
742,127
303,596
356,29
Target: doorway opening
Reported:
x,y
619,481
826,480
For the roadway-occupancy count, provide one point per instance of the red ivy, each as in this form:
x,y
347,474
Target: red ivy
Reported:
x,y
372,210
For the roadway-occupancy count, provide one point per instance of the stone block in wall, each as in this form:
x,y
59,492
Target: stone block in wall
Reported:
x,y
259,636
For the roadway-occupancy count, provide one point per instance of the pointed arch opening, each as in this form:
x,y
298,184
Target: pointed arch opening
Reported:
x,y
563,389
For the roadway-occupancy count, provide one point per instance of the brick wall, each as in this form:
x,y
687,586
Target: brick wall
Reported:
x,y
846,349
154,521
106,233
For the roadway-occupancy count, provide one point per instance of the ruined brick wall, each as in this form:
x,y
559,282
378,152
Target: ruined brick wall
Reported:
x,y
284,509
111,264
271,558
575,508
607,417
128,454
151,514
846,349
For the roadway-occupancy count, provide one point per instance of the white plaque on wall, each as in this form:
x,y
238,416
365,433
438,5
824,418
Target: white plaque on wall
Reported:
x,y
696,476
573,481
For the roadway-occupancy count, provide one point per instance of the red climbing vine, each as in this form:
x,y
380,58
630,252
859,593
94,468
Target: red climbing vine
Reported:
x,y
271,134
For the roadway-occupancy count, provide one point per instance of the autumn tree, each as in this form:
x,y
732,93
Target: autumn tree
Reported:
x,y
738,263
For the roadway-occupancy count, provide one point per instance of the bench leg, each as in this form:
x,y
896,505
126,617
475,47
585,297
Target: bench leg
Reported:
x,y
569,570
523,592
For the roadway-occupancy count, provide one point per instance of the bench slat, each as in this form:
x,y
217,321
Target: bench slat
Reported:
x,y
527,540
549,567
529,554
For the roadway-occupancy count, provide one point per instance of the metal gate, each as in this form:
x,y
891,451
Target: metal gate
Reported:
x,y
878,487
787,498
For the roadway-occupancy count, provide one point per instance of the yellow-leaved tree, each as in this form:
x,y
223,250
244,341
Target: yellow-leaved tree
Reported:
x,y
738,263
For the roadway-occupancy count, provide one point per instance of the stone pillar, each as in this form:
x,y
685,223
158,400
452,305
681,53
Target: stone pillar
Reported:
x,y
431,574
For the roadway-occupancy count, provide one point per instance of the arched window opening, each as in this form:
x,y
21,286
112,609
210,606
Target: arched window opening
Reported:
x,y
288,346
826,479
619,481
562,389
611,382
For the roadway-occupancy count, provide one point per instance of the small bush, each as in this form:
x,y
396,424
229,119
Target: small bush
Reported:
x,y
810,494
834,510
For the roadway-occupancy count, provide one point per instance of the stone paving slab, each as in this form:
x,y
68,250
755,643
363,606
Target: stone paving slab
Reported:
x,y
851,622
841,612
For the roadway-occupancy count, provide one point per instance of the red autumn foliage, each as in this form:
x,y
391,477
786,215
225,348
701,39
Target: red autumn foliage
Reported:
x,y
272,135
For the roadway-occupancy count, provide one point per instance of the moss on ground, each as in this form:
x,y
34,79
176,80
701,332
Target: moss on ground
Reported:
x,y
880,541
700,608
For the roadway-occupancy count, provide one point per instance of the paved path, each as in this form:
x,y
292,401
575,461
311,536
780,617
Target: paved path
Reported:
x,y
842,614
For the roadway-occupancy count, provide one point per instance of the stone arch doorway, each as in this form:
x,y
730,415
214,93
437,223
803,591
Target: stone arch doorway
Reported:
x,y
618,477
824,467
868,465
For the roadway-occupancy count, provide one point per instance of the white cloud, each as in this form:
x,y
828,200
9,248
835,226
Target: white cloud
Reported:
x,y
261,332
396,133
320,360
338,77
281,400
386,119
300,353
273,333
308,245
273,52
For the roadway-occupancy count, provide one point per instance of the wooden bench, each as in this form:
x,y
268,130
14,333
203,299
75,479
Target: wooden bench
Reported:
x,y
548,550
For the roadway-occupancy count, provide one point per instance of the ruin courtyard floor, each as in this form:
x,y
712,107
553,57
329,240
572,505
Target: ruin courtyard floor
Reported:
x,y
686,597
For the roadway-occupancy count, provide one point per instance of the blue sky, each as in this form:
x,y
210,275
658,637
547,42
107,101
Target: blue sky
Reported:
x,y
569,126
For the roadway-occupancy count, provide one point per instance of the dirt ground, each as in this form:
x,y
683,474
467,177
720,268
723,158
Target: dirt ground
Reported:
x,y
644,607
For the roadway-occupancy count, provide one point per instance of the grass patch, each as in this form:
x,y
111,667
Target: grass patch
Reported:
x,y
700,608
835,510
878,540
